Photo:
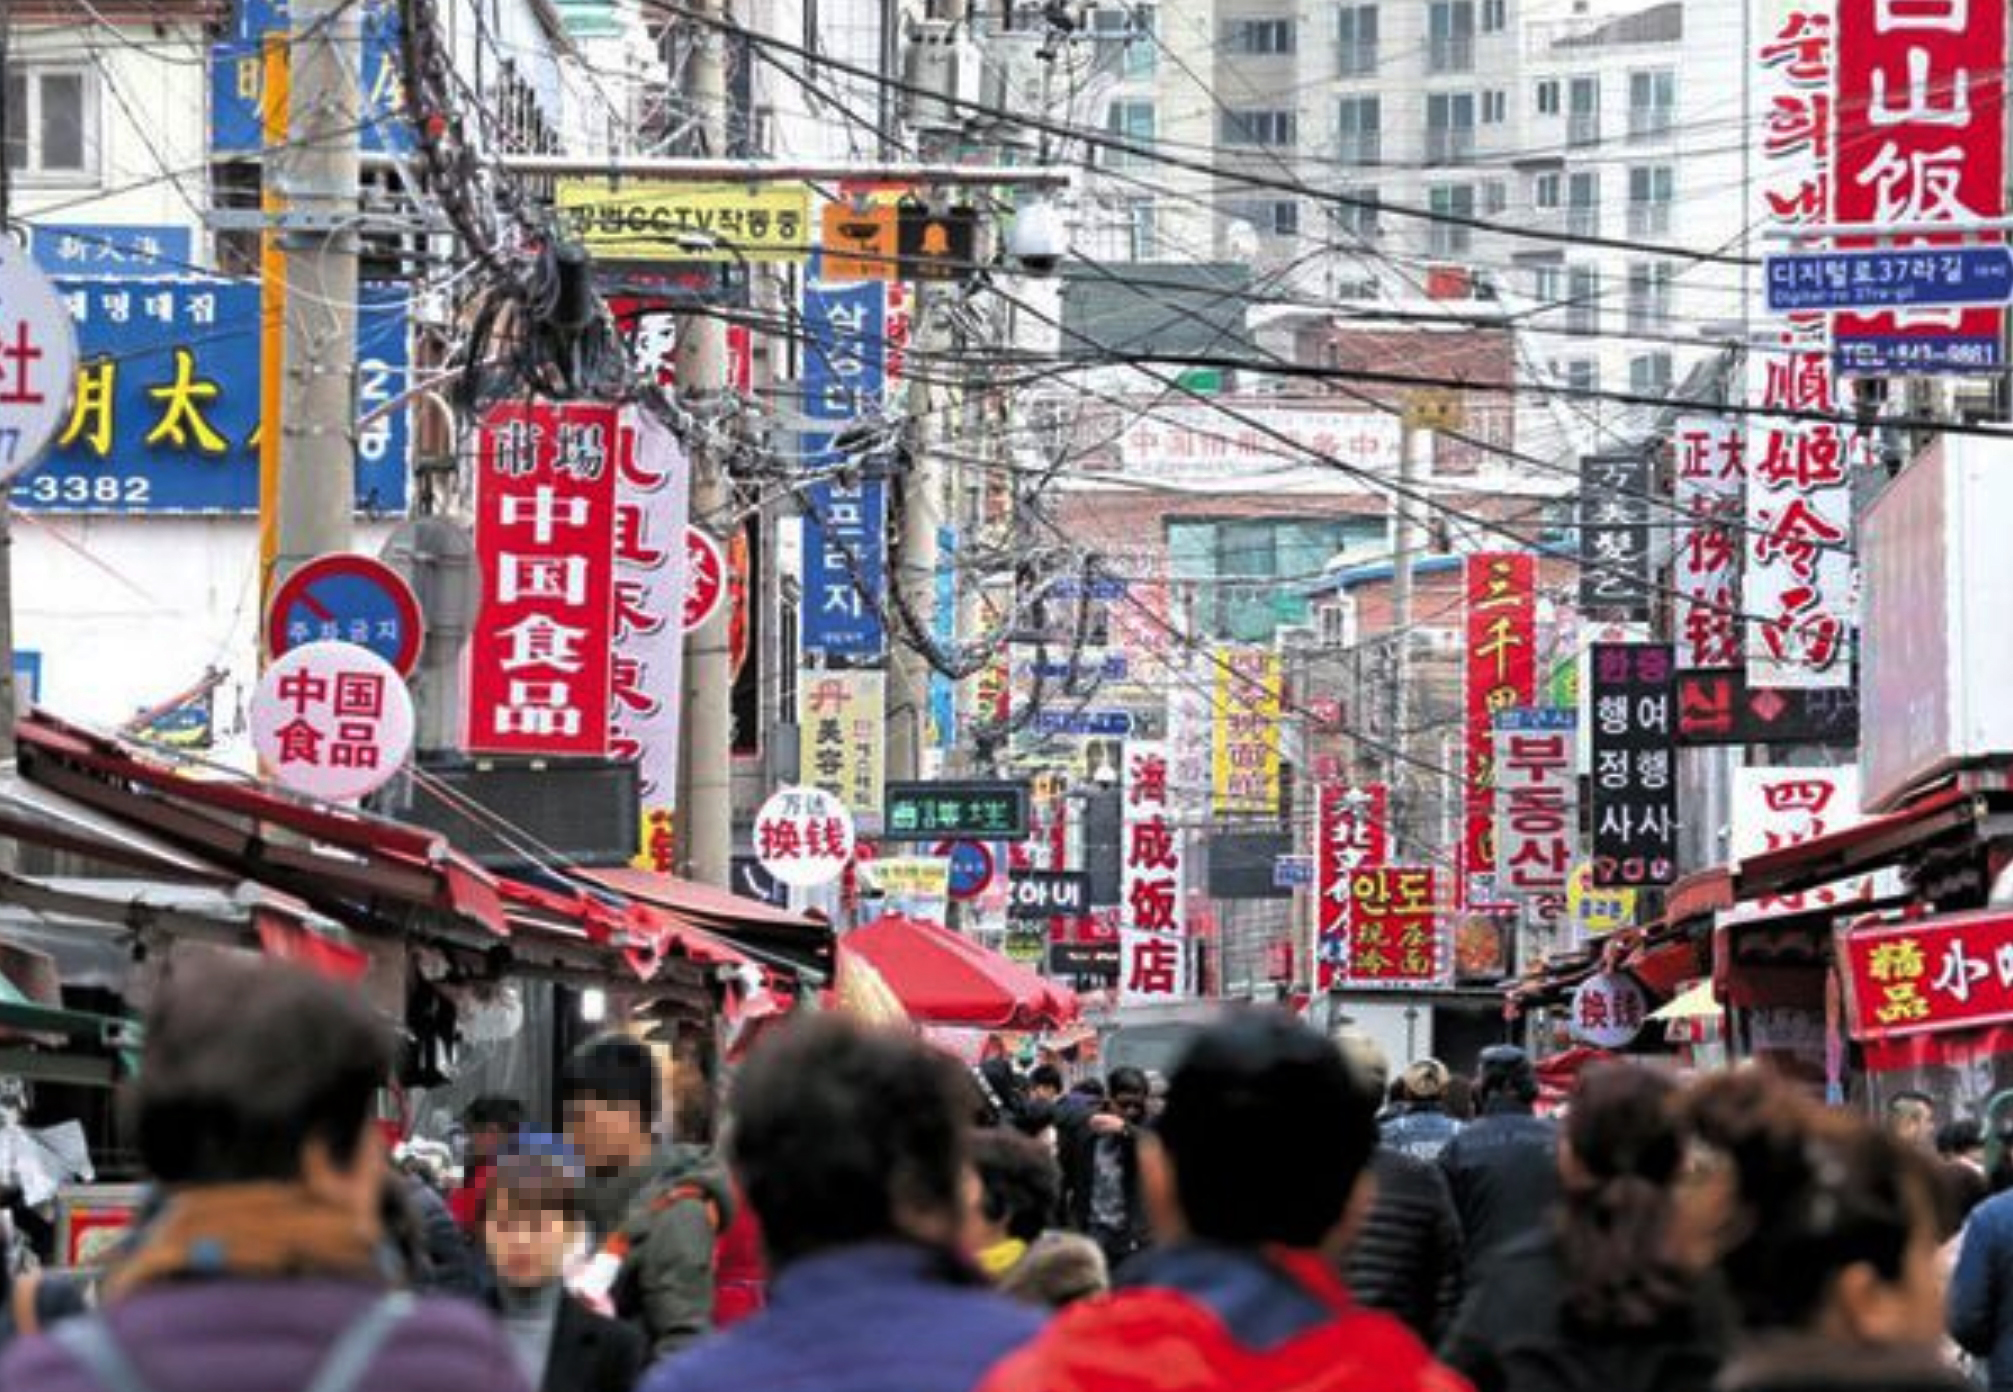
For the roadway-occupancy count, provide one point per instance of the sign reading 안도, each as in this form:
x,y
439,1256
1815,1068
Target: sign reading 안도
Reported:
x,y
1394,935
1634,775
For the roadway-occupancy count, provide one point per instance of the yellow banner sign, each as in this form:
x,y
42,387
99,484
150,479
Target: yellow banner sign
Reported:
x,y
909,877
1250,687
635,221
843,719
1597,912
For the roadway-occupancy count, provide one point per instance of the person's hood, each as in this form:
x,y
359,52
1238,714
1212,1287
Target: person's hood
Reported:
x,y
256,1231
1809,1363
696,1170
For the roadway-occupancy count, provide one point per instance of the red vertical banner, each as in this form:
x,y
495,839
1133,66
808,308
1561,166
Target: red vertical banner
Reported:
x,y
1921,138
541,649
1350,834
1502,609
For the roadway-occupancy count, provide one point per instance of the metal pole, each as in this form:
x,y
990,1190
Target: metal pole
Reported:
x,y
705,794
1400,695
318,179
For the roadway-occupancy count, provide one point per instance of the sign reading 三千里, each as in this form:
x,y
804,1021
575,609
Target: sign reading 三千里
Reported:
x,y
1890,278
1942,973
646,221
165,415
1608,1010
957,811
1501,674
653,490
1775,808
332,720
1250,690
1718,707
1920,138
38,360
1709,480
1634,704
841,718
1537,800
1394,934
1039,894
1614,521
343,598
541,650
1350,834
804,837
845,518
1152,890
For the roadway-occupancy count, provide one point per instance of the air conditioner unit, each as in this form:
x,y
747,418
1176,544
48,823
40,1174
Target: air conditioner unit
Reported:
x,y
941,68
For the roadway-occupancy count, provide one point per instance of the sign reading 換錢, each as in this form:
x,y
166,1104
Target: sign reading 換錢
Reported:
x,y
641,221
1634,704
541,648
1941,973
804,837
957,811
332,720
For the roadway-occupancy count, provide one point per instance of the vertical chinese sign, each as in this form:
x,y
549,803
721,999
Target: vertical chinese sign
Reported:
x,y
647,674
1614,517
1350,834
1394,936
541,650
846,508
1774,808
1537,801
1153,943
1501,590
1798,577
1634,739
840,717
1921,139
1709,479
1250,694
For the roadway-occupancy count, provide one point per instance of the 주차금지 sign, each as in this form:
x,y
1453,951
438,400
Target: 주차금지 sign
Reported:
x,y
643,221
1933,974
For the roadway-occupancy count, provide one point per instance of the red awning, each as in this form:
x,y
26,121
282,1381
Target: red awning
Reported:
x,y
944,978
1873,844
762,930
580,925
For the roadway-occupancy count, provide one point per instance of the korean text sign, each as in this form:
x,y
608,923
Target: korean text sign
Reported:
x,y
238,78
729,223
1250,690
647,657
1920,107
1350,832
1709,480
165,415
1935,974
1394,937
1537,800
1501,672
846,519
541,650
1634,784
1614,517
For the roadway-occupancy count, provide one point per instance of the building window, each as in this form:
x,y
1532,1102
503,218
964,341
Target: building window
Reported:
x,y
1548,285
1581,375
1649,200
1144,230
1548,192
1495,107
1495,197
1583,111
52,132
1259,37
1583,299
1355,218
1649,296
1259,127
1133,123
1652,99
1267,216
1583,203
1548,97
1450,127
1495,16
1359,135
1650,374
1450,238
1356,40
1450,36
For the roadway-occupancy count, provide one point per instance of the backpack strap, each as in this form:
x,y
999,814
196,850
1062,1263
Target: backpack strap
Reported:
x,y
91,1343
355,1349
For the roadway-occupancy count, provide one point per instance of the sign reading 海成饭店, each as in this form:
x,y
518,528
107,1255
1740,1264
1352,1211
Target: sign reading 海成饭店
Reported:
x,y
643,221
958,811
1943,973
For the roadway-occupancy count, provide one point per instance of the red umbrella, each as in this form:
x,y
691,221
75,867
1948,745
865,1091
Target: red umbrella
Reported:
x,y
943,978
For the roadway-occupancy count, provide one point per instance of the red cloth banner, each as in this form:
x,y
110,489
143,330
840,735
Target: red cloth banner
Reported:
x,y
540,651
1501,675
1936,974
1394,935
1352,834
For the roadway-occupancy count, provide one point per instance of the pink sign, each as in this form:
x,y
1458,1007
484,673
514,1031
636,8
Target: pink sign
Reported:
x,y
332,720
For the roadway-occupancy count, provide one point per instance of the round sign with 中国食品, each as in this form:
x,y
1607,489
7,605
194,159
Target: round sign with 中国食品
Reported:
x,y
332,720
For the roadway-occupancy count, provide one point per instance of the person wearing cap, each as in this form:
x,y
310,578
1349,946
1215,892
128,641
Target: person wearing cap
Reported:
x,y
1503,1166
1256,1175
1421,1127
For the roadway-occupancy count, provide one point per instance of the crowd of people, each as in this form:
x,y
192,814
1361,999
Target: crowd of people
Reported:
x,y
1283,1212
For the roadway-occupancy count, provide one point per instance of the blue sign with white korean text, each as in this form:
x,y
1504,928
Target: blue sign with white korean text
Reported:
x,y
165,415
100,249
237,79
845,519
1087,667
1292,871
1892,278
1104,723
1100,587
1900,355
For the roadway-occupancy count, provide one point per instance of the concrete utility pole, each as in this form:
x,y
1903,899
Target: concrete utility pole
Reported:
x,y
1424,411
705,794
313,511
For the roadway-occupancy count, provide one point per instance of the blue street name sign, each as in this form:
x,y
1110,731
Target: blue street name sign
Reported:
x,y
1089,722
1893,278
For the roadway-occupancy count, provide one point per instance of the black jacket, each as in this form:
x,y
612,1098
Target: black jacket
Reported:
x,y
1406,1261
1077,1147
592,1353
1511,1335
1504,1171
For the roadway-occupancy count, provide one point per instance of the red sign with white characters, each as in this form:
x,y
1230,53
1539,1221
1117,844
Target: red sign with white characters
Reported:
x,y
1709,480
1394,934
1351,834
1921,110
1936,974
1150,884
541,649
1501,675
705,577
1151,967
332,720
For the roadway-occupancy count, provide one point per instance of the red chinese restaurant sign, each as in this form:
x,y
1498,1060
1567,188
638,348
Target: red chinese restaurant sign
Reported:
x,y
1936,974
1501,675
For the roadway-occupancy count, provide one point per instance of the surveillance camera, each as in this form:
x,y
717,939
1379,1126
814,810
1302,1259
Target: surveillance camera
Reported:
x,y
1037,241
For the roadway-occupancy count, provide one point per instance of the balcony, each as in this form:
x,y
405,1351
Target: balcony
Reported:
x,y
1649,219
1450,144
1359,147
1584,220
1583,128
1648,123
1450,53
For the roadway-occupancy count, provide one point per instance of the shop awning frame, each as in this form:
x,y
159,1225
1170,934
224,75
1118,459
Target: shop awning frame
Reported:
x,y
1943,818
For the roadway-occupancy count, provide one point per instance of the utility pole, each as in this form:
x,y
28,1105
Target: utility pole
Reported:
x,y
705,793
313,510
1423,412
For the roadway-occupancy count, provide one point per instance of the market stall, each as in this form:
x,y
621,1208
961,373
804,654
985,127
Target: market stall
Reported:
x,y
944,978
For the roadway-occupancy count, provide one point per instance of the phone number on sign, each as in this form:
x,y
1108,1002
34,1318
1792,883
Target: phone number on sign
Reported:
x,y
104,490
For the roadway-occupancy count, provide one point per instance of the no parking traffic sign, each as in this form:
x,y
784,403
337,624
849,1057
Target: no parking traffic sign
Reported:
x,y
347,599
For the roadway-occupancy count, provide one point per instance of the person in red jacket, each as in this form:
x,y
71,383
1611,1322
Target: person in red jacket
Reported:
x,y
1254,1181
492,1124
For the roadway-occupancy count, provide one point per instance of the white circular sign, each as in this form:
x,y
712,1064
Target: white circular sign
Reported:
x,y
705,577
332,720
38,360
804,836
1608,1010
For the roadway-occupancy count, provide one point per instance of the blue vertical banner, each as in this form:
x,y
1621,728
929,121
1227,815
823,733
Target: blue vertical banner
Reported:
x,y
944,628
238,88
845,372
